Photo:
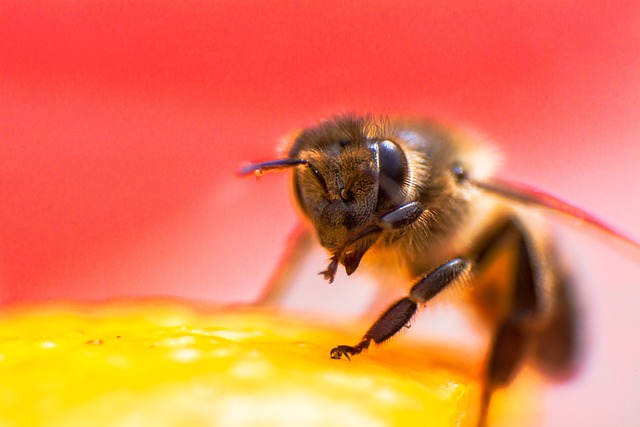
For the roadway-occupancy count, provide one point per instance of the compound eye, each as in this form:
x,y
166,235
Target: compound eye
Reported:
x,y
393,175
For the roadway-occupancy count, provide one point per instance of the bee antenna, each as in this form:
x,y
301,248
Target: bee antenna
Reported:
x,y
528,195
271,166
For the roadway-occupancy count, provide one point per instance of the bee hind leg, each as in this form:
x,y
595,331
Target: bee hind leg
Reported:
x,y
540,319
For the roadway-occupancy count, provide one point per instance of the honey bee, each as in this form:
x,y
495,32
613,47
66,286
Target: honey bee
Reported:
x,y
421,194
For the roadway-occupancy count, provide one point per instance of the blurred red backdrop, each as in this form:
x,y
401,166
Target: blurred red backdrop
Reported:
x,y
122,124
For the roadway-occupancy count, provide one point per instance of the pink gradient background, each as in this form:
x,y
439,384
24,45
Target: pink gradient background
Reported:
x,y
122,124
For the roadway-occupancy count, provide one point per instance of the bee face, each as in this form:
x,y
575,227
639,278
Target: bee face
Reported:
x,y
354,175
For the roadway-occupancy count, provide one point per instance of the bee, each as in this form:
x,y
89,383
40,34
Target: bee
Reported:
x,y
420,194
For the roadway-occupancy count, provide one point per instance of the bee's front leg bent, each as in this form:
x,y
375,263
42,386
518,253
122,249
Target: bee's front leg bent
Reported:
x,y
400,217
400,313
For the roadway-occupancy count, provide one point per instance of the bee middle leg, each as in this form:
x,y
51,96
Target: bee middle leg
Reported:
x,y
282,280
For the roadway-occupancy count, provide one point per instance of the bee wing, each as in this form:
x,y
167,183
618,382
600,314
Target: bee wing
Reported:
x,y
527,195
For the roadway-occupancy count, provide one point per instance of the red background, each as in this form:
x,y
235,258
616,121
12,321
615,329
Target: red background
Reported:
x,y
122,124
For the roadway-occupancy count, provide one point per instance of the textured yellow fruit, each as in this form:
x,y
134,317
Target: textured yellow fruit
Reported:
x,y
160,363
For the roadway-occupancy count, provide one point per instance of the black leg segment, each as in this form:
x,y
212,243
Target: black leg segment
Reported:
x,y
433,283
400,313
401,217
392,320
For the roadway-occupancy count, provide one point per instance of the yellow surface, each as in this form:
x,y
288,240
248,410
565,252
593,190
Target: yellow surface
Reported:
x,y
145,363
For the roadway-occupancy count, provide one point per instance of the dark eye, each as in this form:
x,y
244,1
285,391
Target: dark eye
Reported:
x,y
393,175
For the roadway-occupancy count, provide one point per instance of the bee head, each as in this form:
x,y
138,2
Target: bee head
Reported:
x,y
345,176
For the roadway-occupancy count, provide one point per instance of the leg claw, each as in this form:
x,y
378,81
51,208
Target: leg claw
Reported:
x,y
330,273
343,350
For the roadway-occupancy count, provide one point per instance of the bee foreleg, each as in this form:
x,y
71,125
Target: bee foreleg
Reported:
x,y
400,217
400,313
